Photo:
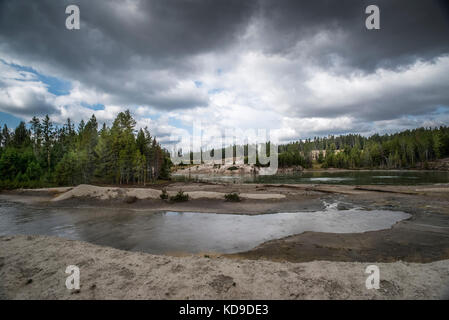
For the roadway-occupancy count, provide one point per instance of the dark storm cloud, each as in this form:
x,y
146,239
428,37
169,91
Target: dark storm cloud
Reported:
x,y
147,52
161,30
416,91
154,40
35,107
410,30
162,34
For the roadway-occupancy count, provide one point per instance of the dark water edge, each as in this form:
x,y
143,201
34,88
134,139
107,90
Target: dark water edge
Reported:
x,y
183,232
362,177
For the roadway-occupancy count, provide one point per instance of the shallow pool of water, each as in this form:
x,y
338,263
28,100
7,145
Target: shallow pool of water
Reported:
x,y
375,177
190,232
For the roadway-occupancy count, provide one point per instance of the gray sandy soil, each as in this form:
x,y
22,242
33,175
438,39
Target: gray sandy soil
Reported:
x,y
206,197
413,255
34,268
422,238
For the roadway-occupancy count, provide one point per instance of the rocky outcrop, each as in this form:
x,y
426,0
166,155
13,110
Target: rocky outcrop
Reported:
x,y
442,164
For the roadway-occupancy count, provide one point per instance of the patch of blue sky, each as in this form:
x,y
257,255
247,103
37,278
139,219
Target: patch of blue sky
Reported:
x,y
10,120
198,84
180,124
56,86
441,110
95,107
155,115
215,91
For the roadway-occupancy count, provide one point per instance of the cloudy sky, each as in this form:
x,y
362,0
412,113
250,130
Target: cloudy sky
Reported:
x,y
299,68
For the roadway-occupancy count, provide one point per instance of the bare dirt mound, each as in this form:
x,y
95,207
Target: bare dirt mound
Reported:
x,y
109,193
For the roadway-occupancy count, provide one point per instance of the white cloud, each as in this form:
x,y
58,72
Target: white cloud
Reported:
x,y
21,93
293,95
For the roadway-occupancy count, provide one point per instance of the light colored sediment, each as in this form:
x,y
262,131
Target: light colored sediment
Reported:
x,y
436,189
84,190
246,191
141,194
107,273
262,196
50,190
211,168
108,193
34,268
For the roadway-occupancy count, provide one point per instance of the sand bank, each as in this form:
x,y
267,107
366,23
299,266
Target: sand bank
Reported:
x,y
34,268
108,193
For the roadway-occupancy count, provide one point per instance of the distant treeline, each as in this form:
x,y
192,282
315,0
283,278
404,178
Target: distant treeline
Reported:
x,y
43,154
400,150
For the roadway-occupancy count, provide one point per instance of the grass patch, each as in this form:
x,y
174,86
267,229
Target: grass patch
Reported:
x,y
180,197
233,197
164,194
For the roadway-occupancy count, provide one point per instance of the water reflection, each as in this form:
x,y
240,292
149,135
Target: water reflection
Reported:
x,y
328,177
169,232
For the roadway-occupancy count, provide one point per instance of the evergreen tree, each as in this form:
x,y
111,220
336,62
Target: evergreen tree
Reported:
x,y
48,134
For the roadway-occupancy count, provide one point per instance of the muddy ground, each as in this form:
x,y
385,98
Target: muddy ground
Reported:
x,y
422,239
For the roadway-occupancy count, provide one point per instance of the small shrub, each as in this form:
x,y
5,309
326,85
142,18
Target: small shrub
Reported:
x,y
233,168
180,196
234,197
164,194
